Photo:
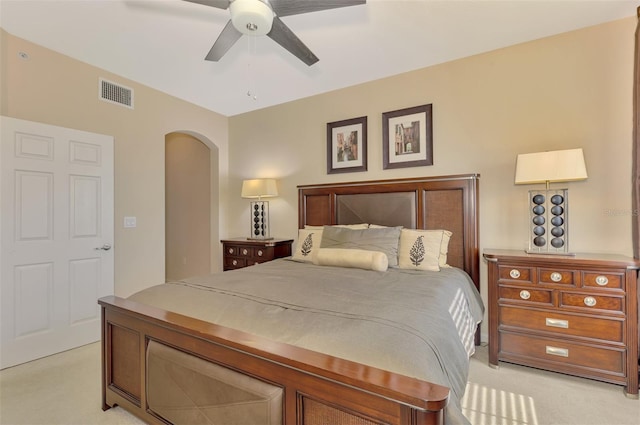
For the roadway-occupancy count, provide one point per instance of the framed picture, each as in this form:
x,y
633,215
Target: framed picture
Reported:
x,y
347,146
407,137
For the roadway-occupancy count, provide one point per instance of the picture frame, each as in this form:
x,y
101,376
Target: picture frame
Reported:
x,y
347,146
407,137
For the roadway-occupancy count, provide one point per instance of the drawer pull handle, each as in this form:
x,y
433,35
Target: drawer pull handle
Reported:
x,y
602,280
231,250
245,251
525,295
514,273
556,277
234,262
259,253
555,351
589,301
557,323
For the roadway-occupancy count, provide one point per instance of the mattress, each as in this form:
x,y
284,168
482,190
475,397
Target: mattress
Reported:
x,y
416,323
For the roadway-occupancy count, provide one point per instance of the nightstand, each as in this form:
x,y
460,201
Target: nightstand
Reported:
x,y
243,252
570,314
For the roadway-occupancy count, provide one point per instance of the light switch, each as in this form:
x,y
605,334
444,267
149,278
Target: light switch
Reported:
x,y
129,222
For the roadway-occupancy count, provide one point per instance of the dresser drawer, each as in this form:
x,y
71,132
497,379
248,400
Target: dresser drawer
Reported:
x,y
528,296
602,280
597,328
592,301
574,314
556,277
565,352
516,273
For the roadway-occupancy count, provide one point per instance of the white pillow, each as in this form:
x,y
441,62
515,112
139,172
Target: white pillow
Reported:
x,y
307,244
422,249
355,258
444,248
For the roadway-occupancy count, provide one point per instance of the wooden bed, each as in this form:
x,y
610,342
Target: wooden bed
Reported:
x,y
317,388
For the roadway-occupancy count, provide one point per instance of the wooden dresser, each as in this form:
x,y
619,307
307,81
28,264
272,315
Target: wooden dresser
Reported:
x,y
242,252
571,314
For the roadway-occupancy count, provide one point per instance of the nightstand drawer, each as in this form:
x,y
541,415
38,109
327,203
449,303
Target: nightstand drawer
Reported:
x,y
525,295
596,328
233,250
234,262
262,254
247,251
592,302
241,252
562,351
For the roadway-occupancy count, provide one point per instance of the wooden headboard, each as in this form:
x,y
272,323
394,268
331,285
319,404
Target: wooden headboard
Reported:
x,y
444,202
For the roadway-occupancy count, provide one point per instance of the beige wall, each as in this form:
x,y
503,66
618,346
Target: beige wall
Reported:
x,y
187,207
567,91
55,89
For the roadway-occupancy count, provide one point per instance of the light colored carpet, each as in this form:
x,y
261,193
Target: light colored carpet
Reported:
x,y
65,389
518,395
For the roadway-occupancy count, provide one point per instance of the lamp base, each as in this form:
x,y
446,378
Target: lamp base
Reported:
x,y
261,239
548,222
259,220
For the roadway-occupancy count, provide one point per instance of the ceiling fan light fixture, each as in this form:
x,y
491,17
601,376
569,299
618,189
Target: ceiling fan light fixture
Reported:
x,y
251,17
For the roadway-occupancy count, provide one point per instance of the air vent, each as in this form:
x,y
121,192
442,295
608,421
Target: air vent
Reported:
x,y
115,93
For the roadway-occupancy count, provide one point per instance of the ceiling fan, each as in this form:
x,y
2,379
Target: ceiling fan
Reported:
x,y
262,17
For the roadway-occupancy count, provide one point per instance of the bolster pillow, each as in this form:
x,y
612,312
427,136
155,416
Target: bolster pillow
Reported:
x,y
355,258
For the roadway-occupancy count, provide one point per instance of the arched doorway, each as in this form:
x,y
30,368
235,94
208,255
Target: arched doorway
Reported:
x,y
191,205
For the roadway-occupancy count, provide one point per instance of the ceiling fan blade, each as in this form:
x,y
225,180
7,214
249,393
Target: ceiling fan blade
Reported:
x,y
296,7
281,34
226,39
219,4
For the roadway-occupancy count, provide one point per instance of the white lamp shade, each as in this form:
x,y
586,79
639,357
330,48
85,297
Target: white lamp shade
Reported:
x,y
551,166
259,188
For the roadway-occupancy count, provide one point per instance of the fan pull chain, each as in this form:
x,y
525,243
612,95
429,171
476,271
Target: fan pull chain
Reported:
x,y
251,54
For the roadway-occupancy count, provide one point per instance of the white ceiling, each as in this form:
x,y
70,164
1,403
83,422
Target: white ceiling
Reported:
x,y
162,43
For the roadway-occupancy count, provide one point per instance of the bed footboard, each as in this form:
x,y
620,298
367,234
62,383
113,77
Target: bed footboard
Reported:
x,y
315,388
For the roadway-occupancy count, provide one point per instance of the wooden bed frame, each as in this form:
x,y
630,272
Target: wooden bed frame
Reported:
x,y
318,388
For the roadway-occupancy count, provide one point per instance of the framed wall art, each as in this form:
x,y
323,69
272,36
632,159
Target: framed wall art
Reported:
x,y
347,146
407,137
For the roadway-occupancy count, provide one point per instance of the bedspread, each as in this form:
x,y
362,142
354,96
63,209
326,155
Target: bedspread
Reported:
x,y
403,321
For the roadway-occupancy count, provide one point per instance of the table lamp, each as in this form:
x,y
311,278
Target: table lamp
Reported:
x,y
258,189
549,209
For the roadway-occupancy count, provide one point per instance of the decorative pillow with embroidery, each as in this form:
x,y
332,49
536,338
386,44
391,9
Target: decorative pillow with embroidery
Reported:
x,y
421,249
307,244
380,239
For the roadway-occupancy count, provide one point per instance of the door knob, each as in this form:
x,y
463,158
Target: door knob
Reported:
x,y
105,247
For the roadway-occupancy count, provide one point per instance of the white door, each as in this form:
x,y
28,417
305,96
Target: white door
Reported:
x,y
56,237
